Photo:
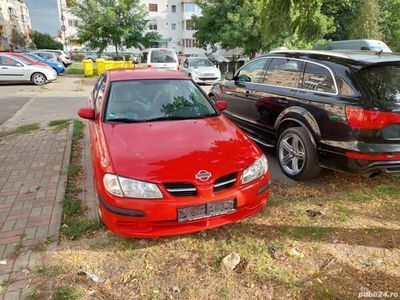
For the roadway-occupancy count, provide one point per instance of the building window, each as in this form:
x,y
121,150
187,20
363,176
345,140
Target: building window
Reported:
x,y
70,23
153,7
153,26
173,26
173,8
189,7
189,25
189,43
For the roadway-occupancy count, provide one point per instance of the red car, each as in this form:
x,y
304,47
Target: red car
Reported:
x,y
166,161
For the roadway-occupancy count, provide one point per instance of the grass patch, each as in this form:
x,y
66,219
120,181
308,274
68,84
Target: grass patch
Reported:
x,y
75,224
20,130
77,69
59,125
68,293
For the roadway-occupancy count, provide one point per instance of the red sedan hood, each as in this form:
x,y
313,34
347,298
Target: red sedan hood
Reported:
x,y
175,151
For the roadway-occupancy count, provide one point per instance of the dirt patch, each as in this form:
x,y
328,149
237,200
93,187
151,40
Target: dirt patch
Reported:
x,y
346,235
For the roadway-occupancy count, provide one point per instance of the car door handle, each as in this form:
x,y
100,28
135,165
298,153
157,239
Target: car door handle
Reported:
x,y
247,93
4,68
282,101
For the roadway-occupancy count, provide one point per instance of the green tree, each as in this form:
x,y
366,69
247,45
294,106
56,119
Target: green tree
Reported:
x,y
390,22
366,22
294,23
343,13
45,41
18,39
256,25
150,40
230,24
107,22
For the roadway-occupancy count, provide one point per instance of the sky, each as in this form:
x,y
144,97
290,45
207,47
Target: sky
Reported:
x,y
44,15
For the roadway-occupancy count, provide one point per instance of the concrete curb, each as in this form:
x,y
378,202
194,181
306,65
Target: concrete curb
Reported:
x,y
55,223
19,111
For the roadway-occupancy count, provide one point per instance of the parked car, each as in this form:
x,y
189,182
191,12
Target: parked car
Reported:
x,y
94,55
217,59
19,68
201,70
328,109
161,58
48,56
370,45
166,161
66,60
57,66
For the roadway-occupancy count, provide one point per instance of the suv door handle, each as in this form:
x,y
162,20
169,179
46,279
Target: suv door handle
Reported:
x,y
282,101
247,93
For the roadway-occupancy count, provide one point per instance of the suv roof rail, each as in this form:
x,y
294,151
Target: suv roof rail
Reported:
x,y
320,52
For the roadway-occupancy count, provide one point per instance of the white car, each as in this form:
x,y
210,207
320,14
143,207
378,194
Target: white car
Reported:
x,y
14,68
159,58
201,70
64,57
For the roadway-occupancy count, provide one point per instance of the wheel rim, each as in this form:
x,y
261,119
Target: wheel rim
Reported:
x,y
292,154
38,79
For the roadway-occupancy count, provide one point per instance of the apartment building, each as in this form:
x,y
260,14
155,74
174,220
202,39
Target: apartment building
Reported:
x,y
170,18
14,16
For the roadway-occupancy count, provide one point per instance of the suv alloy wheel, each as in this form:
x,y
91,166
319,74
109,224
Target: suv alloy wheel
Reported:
x,y
297,155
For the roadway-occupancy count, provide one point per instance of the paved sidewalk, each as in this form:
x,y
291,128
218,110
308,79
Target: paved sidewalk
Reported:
x,y
32,183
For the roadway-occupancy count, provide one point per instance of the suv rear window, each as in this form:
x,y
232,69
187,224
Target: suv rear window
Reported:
x,y
318,78
382,84
163,56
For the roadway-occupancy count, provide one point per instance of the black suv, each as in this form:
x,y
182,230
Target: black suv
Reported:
x,y
337,110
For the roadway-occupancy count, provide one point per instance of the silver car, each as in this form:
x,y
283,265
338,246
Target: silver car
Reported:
x,y
13,68
66,60
201,70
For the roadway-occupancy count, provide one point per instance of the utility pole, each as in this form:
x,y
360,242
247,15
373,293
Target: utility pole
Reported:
x,y
63,28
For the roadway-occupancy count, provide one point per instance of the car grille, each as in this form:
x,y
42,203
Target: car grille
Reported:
x,y
181,189
225,182
208,78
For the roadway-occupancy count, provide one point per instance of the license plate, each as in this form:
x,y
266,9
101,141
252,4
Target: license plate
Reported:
x,y
196,212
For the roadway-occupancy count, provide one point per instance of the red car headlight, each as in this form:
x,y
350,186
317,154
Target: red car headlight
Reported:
x,y
131,188
256,170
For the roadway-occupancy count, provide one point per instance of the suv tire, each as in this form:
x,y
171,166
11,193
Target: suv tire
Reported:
x,y
297,155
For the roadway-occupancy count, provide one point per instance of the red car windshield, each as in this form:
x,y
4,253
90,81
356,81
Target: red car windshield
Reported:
x,y
156,100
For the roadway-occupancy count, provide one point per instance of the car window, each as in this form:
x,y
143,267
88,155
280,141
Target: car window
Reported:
x,y
382,85
33,57
8,61
24,60
344,88
253,71
200,62
98,99
318,78
163,56
284,72
154,100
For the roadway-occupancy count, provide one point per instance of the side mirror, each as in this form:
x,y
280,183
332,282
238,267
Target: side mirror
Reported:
x,y
221,105
19,65
87,113
229,76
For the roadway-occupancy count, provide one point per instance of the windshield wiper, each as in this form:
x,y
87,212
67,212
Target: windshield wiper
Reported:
x,y
123,120
166,119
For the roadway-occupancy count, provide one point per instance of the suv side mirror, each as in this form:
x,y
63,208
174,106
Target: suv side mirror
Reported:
x,y
87,113
229,76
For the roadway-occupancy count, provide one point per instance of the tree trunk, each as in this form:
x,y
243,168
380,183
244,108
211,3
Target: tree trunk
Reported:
x,y
116,50
252,55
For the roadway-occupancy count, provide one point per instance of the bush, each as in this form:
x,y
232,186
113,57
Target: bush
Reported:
x,y
78,57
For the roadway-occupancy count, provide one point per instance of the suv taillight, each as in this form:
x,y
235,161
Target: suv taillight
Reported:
x,y
370,119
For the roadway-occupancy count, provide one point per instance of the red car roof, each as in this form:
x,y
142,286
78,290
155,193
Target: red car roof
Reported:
x,y
20,55
132,74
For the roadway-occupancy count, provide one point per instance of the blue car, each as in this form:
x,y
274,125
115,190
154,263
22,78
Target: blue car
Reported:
x,y
58,67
